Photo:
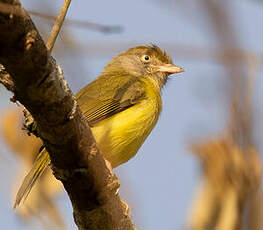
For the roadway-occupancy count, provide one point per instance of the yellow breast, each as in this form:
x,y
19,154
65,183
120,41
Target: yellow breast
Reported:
x,y
120,136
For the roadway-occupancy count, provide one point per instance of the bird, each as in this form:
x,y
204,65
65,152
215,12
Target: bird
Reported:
x,y
121,106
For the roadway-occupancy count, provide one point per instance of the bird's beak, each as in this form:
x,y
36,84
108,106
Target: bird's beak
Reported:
x,y
170,69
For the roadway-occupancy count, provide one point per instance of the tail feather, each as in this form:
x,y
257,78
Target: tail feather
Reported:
x,y
37,170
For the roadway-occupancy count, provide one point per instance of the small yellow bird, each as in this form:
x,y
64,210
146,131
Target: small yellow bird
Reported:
x,y
121,106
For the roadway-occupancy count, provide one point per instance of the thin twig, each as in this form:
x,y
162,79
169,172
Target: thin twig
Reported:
x,y
57,26
81,24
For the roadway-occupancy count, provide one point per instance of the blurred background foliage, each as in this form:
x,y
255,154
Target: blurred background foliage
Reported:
x,y
200,169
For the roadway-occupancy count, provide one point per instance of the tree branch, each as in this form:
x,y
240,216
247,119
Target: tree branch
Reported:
x,y
58,24
76,160
81,24
6,80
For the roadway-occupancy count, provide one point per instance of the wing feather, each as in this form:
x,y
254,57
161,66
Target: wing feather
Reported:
x,y
108,95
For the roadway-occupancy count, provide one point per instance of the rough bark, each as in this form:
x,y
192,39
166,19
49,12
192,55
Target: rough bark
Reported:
x,y
40,86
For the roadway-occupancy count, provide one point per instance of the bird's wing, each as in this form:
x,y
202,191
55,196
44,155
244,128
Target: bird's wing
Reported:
x,y
108,95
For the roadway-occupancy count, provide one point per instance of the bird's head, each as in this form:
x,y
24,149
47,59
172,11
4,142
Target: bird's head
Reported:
x,y
144,61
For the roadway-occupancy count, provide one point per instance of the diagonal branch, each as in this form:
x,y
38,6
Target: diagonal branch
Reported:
x,y
107,29
76,160
57,26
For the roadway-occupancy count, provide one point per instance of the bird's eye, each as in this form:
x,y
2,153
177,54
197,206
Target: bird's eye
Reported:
x,y
145,58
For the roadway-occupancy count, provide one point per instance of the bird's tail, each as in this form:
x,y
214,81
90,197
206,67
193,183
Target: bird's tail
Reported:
x,y
37,170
